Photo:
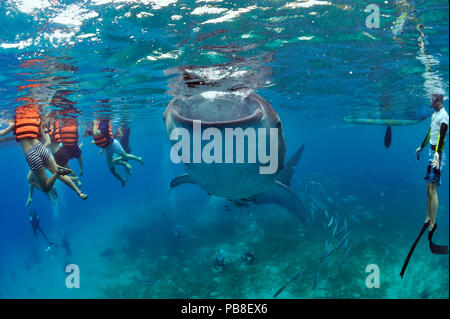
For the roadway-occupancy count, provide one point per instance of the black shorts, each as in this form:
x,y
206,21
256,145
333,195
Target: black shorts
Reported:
x,y
66,153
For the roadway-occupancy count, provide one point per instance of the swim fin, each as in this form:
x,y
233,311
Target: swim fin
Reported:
x,y
436,249
412,248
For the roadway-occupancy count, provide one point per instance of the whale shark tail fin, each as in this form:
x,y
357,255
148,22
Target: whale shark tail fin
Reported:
x,y
286,173
181,179
283,196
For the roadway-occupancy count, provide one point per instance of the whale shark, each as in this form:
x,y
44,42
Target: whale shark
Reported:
x,y
238,182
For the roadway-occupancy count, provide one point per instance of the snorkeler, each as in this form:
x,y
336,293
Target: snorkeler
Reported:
x,y
28,129
34,220
103,138
68,133
436,138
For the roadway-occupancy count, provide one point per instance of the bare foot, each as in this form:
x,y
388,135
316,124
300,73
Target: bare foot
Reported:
x,y
140,160
83,196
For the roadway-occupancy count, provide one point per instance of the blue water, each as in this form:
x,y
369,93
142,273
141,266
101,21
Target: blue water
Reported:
x,y
315,62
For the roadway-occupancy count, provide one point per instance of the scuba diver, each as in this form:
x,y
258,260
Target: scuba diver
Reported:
x,y
66,246
436,138
248,257
34,220
219,261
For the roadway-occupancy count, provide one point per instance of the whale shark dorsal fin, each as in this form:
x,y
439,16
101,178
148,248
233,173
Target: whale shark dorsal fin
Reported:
x,y
286,173
283,196
181,179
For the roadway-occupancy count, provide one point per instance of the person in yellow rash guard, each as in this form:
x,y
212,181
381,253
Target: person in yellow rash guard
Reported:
x,y
436,137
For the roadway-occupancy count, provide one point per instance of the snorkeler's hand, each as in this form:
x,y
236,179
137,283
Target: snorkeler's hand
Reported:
x,y
435,162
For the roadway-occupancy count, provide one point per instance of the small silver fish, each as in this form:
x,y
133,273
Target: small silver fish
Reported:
x,y
344,257
334,230
331,222
316,281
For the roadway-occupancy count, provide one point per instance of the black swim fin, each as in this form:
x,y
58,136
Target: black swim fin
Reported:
x,y
388,137
412,248
436,249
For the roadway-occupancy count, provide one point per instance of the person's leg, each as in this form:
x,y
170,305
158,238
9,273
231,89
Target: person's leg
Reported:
x,y
133,157
30,196
119,151
75,179
32,184
45,184
110,162
51,166
427,219
434,202
73,176
126,165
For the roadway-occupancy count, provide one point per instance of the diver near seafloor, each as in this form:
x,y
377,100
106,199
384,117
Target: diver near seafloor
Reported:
x,y
219,261
65,244
436,138
35,225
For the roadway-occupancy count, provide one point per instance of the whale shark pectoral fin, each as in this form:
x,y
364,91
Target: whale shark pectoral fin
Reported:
x,y
283,196
181,179
286,173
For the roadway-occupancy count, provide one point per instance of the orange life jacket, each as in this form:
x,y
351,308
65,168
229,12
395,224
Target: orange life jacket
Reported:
x,y
55,133
69,132
28,122
103,140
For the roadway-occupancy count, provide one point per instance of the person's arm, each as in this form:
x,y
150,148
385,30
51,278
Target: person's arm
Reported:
x,y
7,130
80,162
426,140
424,143
45,136
441,137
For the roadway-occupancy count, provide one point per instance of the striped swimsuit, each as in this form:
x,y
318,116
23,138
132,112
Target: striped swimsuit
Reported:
x,y
37,157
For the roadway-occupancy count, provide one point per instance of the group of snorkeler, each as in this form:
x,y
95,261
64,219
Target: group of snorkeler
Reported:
x,y
50,141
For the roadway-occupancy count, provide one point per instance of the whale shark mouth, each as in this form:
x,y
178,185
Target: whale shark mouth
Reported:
x,y
215,108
